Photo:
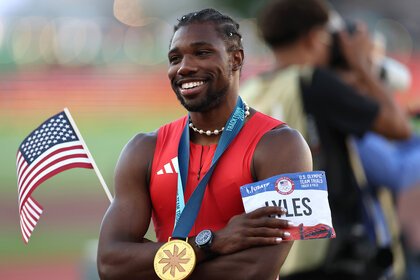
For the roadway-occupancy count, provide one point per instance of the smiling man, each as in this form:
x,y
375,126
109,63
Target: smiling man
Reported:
x,y
186,176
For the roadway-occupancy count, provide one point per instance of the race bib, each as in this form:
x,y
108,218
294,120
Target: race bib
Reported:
x,y
303,195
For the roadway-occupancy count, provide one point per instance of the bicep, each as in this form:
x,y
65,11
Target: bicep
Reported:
x,y
281,151
128,217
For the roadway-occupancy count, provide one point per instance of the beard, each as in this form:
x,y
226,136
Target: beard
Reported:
x,y
210,100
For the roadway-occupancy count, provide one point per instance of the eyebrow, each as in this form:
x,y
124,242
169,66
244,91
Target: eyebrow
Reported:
x,y
195,44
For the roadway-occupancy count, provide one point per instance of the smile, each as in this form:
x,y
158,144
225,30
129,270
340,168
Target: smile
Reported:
x,y
191,85
191,88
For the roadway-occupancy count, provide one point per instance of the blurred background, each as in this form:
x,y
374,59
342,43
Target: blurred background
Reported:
x,y
106,60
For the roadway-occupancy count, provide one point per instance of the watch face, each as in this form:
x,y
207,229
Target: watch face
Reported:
x,y
203,237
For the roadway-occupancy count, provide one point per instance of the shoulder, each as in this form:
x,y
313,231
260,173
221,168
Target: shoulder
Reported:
x,y
137,156
325,81
282,139
141,143
281,150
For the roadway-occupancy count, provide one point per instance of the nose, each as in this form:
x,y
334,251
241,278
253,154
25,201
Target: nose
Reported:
x,y
187,66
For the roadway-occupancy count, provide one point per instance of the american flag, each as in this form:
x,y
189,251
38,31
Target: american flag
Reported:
x,y
50,149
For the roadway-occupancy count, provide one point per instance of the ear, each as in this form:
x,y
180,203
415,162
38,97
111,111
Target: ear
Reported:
x,y
309,40
314,36
237,59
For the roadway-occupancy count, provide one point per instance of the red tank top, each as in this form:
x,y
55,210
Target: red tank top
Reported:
x,y
222,198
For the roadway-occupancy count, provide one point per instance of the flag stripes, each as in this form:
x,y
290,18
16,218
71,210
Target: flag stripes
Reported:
x,y
29,216
58,159
50,149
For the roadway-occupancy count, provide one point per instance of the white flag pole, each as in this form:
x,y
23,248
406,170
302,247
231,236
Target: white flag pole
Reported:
x,y
95,167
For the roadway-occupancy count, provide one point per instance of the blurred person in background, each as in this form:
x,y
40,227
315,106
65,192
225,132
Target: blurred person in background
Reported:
x,y
328,108
205,60
395,165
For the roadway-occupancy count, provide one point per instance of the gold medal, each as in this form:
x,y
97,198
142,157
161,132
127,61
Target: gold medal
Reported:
x,y
175,260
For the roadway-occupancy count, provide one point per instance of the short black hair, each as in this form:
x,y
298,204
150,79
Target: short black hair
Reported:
x,y
227,28
282,22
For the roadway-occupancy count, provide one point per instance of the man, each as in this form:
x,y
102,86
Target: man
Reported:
x,y
326,111
205,60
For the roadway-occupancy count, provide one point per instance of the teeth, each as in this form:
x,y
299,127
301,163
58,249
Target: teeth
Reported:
x,y
191,85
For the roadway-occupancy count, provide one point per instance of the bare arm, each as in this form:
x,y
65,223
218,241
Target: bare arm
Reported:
x,y
391,121
121,252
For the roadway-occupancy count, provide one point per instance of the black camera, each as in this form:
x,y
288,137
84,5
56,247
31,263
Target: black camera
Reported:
x,y
394,74
337,59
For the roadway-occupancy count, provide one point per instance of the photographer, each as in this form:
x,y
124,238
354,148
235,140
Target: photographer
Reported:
x,y
327,106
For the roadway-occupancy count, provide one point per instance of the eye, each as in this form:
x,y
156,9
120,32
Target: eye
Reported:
x,y
174,59
203,52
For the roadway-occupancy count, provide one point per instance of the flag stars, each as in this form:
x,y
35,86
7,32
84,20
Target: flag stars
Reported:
x,y
54,131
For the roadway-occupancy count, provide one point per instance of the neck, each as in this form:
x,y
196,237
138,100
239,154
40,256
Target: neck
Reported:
x,y
211,120
294,54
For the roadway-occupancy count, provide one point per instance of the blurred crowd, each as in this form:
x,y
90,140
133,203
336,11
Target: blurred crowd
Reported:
x,y
334,83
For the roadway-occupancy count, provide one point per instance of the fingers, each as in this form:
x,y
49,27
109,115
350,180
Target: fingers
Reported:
x,y
270,222
268,232
267,211
361,26
262,241
256,228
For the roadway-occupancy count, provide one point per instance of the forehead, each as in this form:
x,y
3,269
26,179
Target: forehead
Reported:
x,y
197,33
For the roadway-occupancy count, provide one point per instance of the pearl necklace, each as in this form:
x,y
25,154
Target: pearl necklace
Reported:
x,y
216,131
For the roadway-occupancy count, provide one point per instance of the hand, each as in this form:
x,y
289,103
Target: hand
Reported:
x,y
257,228
357,47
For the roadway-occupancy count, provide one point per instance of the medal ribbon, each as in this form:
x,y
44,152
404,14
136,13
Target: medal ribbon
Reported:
x,y
186,215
